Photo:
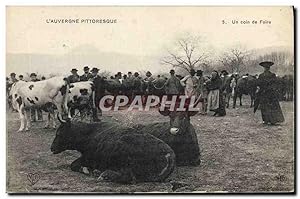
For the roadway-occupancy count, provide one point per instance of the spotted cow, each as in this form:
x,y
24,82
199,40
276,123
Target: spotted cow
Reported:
x,y
37,94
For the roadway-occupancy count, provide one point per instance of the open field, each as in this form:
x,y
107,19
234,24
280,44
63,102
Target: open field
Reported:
x,y
238,154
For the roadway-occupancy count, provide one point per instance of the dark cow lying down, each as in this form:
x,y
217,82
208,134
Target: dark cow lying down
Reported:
x,y
122,154
179,134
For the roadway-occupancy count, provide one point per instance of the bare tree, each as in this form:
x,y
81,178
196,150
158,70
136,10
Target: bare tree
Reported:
x,y
235,59
187,54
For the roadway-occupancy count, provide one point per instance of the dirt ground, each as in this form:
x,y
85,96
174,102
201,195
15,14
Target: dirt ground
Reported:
x,y
238,154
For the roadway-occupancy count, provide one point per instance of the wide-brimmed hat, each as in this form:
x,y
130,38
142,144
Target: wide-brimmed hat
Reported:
x,y
199,72
33,75
94,70
148,73
266,64
225,71
74,70
86,68
12,74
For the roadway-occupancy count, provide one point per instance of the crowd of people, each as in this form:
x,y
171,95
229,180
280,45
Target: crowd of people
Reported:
x,y
208,90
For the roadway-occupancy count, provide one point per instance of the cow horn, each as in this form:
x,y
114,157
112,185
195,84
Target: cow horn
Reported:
x,y
60,119
165,111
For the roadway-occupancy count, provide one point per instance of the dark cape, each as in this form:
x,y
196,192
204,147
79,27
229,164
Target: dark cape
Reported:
x,y
268,98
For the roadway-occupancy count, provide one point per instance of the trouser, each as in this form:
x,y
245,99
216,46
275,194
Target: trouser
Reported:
x,y
96,109
33,112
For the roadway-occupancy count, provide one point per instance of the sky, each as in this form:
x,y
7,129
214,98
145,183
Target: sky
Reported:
x,y
144,31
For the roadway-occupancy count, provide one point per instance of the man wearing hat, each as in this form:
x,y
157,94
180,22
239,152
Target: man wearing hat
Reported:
x,y
118,77
9,82
13,78
149,76
137,84
35,111
74,77
21,77
148,82
86,75
33,77
173,85
129,85
224,73
268,96
99,92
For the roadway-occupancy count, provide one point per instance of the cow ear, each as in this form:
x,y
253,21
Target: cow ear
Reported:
x,y
165,111
63,121
68,122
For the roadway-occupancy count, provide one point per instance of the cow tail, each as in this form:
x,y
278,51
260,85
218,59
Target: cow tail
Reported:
x,y
169,168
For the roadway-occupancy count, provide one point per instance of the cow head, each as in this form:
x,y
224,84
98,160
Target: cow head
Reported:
x,y
63,136
179,120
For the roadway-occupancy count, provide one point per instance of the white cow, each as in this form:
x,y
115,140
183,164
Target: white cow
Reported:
x,y
73,97
77,87
30,94
75,93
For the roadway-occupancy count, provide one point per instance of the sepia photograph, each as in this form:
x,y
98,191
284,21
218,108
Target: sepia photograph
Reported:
x,y
150,99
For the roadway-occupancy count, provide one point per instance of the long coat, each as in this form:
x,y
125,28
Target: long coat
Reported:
x,y
216,85
190,83
173,86
73,78
86,77
268,97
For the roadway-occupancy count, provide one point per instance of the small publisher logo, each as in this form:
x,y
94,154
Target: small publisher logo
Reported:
x,y
33,178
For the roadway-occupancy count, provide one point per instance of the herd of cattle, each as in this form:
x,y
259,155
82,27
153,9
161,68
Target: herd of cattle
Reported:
x,y
246,85
124,154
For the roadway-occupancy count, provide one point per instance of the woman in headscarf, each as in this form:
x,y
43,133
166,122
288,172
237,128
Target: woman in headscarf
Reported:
x,y
215,101
267,96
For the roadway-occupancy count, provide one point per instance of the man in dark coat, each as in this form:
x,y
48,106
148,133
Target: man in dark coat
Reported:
x,y
86,75
137,84
74,77
99,87
13,78
148,83
129,85
173,85
267,96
